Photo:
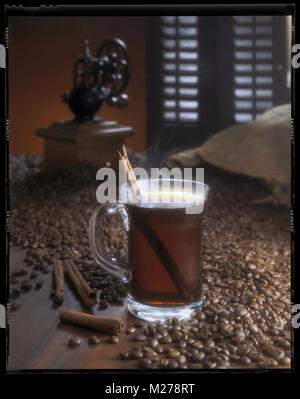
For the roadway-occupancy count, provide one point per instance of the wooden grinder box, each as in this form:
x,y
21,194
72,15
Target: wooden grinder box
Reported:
x,y
69,142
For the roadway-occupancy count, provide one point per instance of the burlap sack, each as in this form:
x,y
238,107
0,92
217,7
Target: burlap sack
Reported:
x,y
260,149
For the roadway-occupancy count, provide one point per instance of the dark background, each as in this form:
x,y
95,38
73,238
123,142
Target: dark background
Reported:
x,y
43,49
42,52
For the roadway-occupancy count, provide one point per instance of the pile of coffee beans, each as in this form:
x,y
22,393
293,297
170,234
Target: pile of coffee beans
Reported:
x,y
49,215
246,268
212,338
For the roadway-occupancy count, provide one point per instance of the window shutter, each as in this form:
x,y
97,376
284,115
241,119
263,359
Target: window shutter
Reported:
x,y
253,66
205,73
180,70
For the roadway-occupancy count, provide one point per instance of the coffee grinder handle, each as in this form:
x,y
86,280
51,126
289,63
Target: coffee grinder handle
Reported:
x,y
116,266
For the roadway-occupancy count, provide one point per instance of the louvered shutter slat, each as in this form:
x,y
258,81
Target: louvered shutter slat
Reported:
x,y
253,66
180,69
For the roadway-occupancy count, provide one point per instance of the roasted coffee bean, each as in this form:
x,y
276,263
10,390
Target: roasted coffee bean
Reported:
x,y
29,259
245,360
39,284
190,341
193,321
176,336
181,360
113,340
176,328
151,331
74,341
26,285
164,363
153,343
173,364
239,338
184,336
166,339
232,348
200,316
159,349
282,342
208,364
209,343
93,340
266,363
13,281
175,321
223,364
20,272
181,344
255,356
285,361
225,351
124,355
214,358
136,354
273,352
130,330
197,357
122,290
244,350
164,332
145,331
183,351
173,353
235,358
153,357
33,275
103,306
144,363
140,337
118,302
147,349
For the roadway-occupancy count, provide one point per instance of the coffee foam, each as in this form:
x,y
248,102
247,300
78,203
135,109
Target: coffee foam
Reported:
x,y
151,195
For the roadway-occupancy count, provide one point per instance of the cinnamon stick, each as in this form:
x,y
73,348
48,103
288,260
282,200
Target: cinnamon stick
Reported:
x,y
107,325
131,176
89,291
78,284
59,281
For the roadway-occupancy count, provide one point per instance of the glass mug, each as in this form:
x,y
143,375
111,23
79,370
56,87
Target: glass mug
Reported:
x,y
164,266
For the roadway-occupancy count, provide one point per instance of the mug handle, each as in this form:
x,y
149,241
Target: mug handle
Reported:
x,y
117,266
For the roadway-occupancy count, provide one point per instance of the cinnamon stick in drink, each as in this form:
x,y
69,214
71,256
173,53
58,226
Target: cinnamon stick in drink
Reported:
x,y
131,176
164,256
107,325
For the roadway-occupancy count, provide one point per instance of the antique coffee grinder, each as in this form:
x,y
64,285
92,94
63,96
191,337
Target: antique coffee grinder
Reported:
x,y
86,137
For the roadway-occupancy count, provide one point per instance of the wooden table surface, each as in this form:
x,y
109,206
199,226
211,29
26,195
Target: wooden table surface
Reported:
x,y
38,340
